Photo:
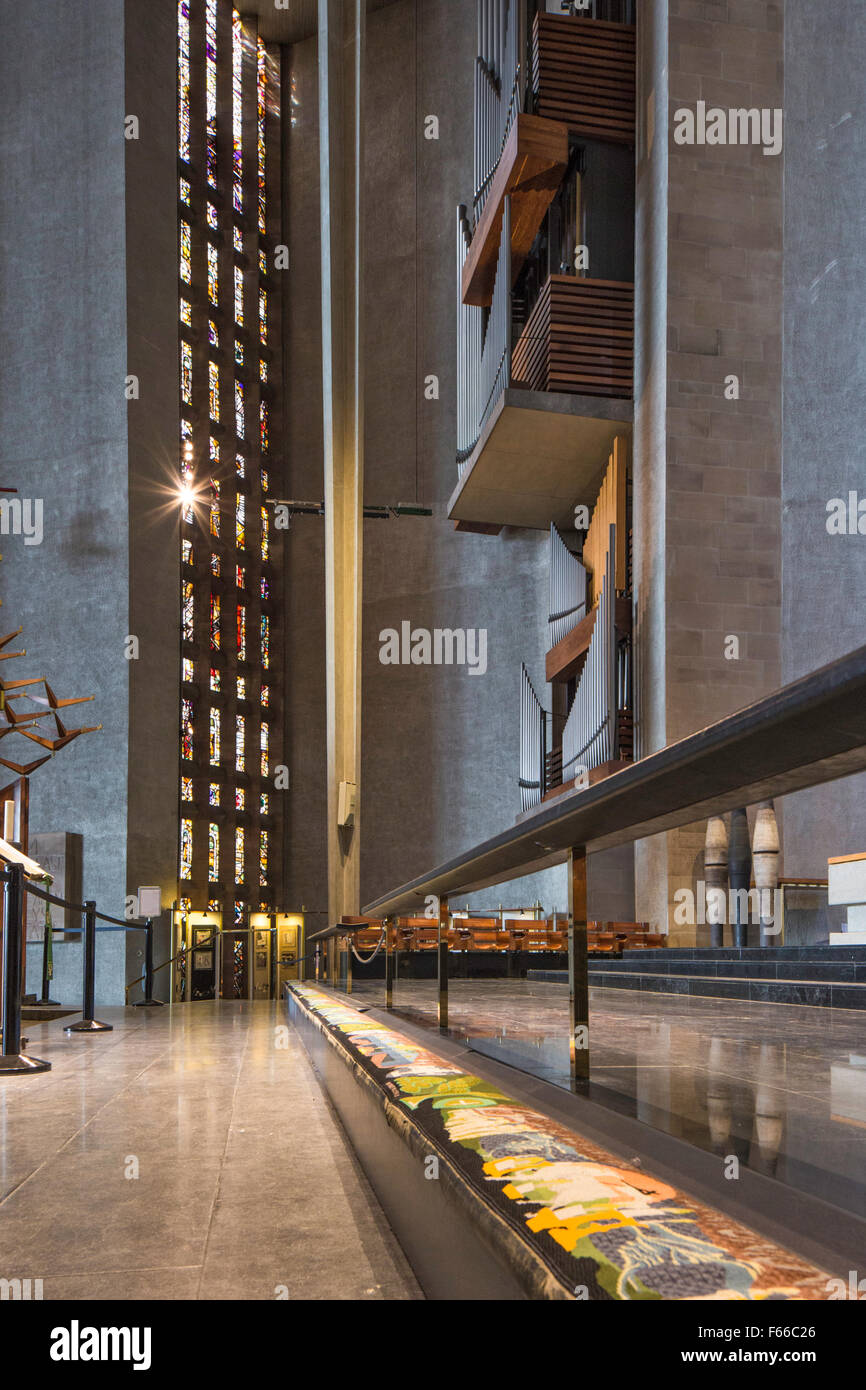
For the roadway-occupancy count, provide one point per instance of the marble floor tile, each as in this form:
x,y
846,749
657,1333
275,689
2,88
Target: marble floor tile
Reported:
x,y
185,1156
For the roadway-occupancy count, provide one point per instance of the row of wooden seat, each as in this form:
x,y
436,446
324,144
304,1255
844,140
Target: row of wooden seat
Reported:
x,y
489,934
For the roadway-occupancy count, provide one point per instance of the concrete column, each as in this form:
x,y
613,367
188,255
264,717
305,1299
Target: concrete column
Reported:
x,y
342,26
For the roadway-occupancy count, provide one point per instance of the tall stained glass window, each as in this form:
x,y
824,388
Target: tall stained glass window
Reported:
x,y
213,274
185,252
211,89
186,373
187,722
240,741
239,855
261,113
239,409
186,849
263,315
263,858
239,299
264,750
188,610
237,113
183,105
225,268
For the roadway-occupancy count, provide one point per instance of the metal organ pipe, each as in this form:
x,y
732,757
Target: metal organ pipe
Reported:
x,y
568,584
533,734
497,71
589,735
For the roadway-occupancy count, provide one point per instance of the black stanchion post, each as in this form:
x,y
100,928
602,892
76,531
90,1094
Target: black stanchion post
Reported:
x,y
148,1002
12,1060
88,1024
46,963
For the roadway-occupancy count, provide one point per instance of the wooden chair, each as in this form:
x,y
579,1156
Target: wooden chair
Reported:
x,y
484,932
605,941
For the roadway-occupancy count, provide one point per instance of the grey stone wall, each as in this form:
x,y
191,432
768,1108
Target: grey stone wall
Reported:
x,y
722,456
64,438
440,745
154,545
823,576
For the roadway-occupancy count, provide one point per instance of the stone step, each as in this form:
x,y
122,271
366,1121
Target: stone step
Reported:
x,y
818,953
815,993
842,971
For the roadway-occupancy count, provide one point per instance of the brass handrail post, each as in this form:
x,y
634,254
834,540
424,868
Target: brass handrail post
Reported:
x,y
389,965
578,970
442,964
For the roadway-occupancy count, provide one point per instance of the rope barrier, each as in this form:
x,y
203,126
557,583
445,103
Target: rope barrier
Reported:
x,y
365,960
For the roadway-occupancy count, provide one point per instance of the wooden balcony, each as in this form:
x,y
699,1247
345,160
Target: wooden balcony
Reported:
x,y
583,74
579,337
530,171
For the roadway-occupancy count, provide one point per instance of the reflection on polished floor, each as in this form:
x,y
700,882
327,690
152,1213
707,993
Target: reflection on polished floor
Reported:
x,y
781,1086
189,1154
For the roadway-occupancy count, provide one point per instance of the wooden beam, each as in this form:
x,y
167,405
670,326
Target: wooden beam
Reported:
x,y
478,528
565,661
530,171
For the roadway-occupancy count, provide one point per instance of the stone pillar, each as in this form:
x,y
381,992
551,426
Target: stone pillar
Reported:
x,y
341,58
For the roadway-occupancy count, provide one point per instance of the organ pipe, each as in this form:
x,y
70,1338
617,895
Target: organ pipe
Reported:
x,y
568,583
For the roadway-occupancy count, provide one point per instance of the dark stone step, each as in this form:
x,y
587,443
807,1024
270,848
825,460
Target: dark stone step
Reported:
x,y
815,993
842,971
823,953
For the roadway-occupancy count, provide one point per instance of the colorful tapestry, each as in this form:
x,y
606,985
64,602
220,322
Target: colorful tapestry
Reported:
x,y
605,1228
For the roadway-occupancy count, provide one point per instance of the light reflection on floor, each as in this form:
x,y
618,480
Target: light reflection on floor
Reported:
x,y
781,1087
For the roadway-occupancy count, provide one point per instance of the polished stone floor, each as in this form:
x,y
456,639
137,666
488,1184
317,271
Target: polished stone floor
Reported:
x,y
189,1154
780,1086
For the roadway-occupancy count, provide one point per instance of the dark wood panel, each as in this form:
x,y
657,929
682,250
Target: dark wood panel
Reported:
x,y
579,337
583,74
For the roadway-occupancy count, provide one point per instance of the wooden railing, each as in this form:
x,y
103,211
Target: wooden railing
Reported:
x,y
583,73
492,934
579,338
